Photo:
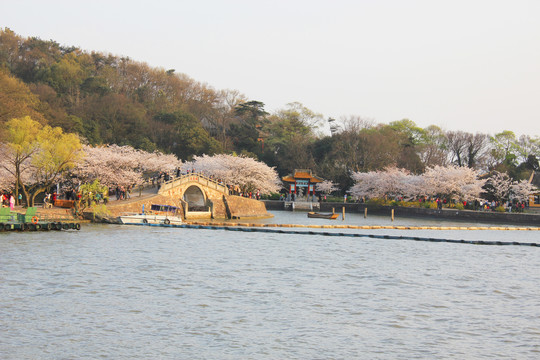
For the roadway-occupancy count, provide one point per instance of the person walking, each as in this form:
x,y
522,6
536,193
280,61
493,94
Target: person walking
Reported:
x,y
11,202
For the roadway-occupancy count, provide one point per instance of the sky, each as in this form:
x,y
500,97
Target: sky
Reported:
x,y
461,65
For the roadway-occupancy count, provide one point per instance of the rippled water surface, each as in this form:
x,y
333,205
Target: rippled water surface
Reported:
x,y
121,292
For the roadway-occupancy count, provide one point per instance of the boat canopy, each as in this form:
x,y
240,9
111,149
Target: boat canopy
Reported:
x,y
167,208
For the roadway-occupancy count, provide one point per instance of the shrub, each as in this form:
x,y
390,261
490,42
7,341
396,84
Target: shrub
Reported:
x,y
272,196
500,209
375,203
428,204
410,203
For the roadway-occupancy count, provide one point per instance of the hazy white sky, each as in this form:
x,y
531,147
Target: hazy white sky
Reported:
x,y
463,65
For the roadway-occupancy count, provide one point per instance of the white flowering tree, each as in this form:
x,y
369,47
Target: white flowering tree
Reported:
x,y
395,182
366,185
326,187
246,173
498,186
7,179
522,190
391,182
414,187
452,182
122,165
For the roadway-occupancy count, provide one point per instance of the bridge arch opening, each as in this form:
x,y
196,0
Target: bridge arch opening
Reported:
x,y
195,198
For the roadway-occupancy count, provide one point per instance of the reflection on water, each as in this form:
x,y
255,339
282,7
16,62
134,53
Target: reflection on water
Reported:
x,y
135,292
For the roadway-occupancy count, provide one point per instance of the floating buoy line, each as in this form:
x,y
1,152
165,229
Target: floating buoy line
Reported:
x,y
367,227
270,228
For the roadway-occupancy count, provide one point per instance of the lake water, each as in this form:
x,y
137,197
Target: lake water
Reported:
x,y
121,292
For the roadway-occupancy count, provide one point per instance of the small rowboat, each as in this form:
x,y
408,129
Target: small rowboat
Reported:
x,y
331,216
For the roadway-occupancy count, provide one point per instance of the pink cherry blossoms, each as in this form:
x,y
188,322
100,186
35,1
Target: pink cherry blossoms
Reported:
x,y
244,172
451,181
121,165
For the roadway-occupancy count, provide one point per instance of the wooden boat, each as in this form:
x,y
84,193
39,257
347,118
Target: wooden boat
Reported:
x,y
331,216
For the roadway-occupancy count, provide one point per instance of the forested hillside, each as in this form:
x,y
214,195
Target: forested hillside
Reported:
x,y
109,99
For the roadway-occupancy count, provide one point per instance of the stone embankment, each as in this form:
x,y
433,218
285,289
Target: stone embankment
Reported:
x,y
238,207
226,207
490,217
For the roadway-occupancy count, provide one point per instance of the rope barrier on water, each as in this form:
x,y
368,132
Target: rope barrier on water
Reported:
x,y
326,233
370,227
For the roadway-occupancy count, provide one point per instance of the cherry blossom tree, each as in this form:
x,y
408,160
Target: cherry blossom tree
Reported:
x,y
413,187
111,165
498,186
326,187
395,182
366,184
7,180
122,165
391,182
452,182
522,190
8,177
245,172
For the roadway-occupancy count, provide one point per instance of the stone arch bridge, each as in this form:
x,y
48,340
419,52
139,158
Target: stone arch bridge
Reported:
x,y
197,193
199,197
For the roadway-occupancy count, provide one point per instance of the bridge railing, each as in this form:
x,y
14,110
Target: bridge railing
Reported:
x,y
197,177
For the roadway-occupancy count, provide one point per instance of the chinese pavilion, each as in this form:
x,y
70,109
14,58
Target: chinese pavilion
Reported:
x,y
301,178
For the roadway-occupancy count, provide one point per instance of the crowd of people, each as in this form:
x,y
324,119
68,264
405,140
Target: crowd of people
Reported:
x,y
8,200
122,192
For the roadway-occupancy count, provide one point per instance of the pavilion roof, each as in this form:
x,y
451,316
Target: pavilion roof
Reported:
x,y
302,174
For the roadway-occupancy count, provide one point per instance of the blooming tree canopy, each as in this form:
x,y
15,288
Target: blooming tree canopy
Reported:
x,y
521,190
326,187
7,179
244,172
391,182
498,186
454,182
122,165
451,181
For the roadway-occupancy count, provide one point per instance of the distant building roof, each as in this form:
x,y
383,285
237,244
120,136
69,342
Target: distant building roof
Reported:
x,y
302,174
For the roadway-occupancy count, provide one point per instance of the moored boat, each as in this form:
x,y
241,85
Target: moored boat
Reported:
x,y
331,216
158,215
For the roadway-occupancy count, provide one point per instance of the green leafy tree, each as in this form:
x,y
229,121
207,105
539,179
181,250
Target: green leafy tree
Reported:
x,y
245,134
289,135
413,133
16,99
433,148
504,148
66,77
39,155
57,153
114,119
21,139
182,134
